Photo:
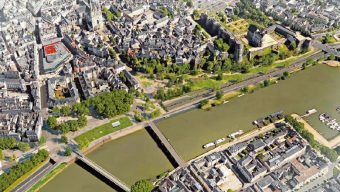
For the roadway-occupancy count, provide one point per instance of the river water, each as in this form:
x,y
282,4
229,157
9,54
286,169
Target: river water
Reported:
x,y
130,158
316,87
136,156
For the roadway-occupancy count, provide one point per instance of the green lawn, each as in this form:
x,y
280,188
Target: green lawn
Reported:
x,y
103,130
198,84
47,178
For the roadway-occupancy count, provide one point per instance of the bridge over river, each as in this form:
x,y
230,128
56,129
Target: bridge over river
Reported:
x,y
107,175
165,143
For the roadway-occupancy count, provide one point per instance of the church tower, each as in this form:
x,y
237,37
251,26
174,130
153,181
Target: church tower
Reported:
x,y
95,14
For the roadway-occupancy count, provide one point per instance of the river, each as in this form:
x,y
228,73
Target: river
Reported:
x,y
136,156
130,158
316,87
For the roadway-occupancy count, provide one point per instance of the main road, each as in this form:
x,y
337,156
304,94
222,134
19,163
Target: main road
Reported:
x,y
34,178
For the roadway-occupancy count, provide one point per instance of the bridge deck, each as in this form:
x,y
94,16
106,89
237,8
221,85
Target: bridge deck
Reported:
x,y
167,145
103,172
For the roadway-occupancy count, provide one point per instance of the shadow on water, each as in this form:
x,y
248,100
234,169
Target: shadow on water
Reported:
x,y
98,175
161,146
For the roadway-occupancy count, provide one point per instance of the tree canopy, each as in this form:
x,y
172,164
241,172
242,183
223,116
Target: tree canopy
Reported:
x,y
142,186
52,122
112,103
7,143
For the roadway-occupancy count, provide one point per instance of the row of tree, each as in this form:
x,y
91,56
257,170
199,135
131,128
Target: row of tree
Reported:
x,y
11,143
65,127
22,168
300,128
155,66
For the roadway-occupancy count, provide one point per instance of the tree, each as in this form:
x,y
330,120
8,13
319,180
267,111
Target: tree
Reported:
x,y
219,76
189,3
68,151
221,45
266,83
245,90
196,15
156,113
2,156
13,158
42,140
219,94
261,136
82,144
22,146
142,186
66,110
7,143
285,74
52,122
112,103
82,121
203,102
111,51
63,139
329,153
80,109
331,57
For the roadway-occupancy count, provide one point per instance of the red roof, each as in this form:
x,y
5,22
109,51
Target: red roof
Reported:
x,y
50,49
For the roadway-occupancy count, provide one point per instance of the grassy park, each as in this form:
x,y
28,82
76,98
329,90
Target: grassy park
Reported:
x,y
103,130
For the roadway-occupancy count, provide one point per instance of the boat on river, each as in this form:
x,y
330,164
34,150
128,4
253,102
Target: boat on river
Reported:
x,y
208,145
237,133
218,141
